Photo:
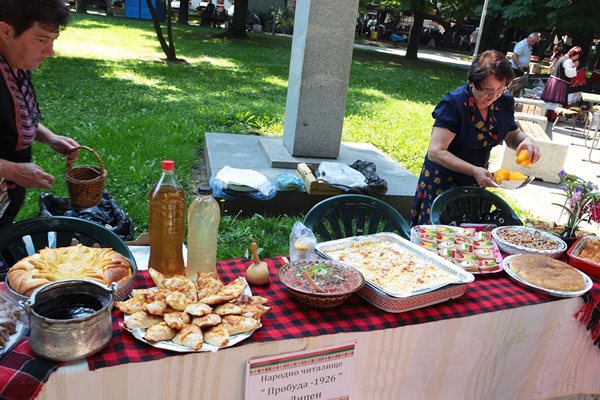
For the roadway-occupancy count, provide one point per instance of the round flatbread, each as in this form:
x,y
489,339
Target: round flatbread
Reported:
x,y
547,273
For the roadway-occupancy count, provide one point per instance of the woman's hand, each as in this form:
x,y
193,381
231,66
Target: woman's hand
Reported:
x,y
65,146
531,147
484,177
27,175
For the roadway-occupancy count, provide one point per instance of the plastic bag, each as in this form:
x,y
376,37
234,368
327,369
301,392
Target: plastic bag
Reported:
x,y
220,191
302,243
375,184
288,182
336,173
108,213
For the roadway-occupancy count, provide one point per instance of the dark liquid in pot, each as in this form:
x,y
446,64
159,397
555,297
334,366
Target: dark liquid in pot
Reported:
x,y
71,306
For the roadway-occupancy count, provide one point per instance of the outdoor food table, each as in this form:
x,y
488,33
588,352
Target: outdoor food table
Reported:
x,y
498,340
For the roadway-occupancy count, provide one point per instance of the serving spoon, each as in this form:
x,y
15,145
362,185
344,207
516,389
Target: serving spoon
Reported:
x,y
312,283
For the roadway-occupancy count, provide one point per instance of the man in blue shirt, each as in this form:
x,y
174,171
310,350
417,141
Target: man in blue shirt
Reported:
x,y
522,53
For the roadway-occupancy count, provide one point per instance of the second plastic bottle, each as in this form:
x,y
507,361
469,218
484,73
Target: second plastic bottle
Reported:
x,y
203,228
166,225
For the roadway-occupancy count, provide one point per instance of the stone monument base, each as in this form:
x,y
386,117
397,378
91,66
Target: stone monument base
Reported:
x,y
268,156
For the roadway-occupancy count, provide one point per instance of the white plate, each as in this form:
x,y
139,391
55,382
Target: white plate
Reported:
x,y
511,248
555,293
169,345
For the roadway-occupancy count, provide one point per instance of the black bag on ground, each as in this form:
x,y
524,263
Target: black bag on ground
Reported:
x,y
375,184
108,213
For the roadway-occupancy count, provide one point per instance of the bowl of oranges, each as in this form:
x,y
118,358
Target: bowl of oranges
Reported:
x,y
511,179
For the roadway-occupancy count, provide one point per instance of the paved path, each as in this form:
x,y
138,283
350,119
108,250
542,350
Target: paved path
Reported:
x,y
538,196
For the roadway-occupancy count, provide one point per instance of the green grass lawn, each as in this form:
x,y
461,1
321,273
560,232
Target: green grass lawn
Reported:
x,y
109,88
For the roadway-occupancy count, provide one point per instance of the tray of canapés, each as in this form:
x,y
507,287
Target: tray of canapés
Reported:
x,y
464,247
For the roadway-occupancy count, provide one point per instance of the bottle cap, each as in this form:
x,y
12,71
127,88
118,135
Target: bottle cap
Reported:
x,y
168,165
204,189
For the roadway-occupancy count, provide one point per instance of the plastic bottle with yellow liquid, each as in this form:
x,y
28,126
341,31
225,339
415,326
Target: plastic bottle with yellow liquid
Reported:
x,y
203,228
166,224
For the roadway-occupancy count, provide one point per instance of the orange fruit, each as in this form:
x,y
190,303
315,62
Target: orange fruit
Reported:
x,y
517,176
523,158
502,175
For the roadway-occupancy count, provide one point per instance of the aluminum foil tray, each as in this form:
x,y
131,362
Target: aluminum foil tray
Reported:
x,y
397,302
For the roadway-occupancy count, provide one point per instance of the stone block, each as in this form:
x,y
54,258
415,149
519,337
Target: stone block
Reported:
x,y
551,162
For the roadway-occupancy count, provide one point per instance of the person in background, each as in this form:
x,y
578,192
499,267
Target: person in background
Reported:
x,y
558,84
522,53
27,33
210,8
469,122
473,39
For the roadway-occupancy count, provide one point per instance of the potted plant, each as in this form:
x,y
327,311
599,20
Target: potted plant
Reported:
x,y
582,203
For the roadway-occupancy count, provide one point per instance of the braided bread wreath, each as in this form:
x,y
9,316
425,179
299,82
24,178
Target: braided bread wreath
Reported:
x,y
74,262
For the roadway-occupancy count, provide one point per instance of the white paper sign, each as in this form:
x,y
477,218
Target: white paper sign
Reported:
x,y
324,374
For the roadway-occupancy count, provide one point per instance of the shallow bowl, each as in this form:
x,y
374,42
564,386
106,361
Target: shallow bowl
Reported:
x,y
514,248
315,299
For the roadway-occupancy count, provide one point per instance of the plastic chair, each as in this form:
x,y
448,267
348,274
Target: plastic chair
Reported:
x,y
471,204
25,238
354,215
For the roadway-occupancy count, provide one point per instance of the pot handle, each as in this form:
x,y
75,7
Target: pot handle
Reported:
x,y
26,304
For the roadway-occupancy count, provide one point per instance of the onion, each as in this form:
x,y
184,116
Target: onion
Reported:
x,y
257,273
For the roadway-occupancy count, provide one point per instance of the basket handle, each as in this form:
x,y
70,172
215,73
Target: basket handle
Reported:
x,y
70,164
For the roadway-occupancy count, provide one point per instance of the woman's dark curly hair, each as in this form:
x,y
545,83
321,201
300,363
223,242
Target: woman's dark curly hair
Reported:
x,y
22,14
490,62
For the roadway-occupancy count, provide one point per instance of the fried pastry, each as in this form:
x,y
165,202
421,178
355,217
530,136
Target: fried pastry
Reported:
x,y
131,306
235,324
226,293
142,320
159,332
190,336
177,300
227,308
208,284
207,321
158,307
254,310
177,319
216,335
198,309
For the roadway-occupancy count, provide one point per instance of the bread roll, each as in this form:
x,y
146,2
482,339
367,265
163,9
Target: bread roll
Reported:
x,y
74,262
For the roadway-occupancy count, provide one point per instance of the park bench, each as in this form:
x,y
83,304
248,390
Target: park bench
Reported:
x,y
531,110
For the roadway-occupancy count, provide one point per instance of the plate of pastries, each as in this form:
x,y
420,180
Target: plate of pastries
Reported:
x,y
193,315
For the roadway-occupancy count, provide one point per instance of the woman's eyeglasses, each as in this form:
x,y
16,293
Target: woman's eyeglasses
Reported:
x,y
493,92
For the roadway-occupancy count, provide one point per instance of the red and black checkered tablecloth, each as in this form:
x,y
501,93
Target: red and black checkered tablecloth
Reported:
x,y
289,319
22,374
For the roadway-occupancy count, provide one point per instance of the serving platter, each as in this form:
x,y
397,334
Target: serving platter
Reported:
x,y
399,302
21,324
513,248
556,293
470,233
170,345
586,265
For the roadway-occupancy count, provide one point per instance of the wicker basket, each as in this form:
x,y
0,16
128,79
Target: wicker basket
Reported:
x,y
85,183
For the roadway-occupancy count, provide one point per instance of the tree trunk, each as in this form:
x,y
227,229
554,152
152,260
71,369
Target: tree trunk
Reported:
x,y
168,49
415,35
492,28
183,15
237,29
81,6
583,40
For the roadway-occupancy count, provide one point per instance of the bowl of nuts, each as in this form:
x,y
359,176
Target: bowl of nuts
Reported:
x,y
524,240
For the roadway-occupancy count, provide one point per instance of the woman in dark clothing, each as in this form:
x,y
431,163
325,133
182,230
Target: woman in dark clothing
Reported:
x,y
27,33
469,122
558,84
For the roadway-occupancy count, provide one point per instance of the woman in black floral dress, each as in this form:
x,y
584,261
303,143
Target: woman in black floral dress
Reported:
x,y
469,122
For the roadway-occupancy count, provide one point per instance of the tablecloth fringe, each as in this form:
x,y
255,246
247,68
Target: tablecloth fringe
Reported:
x,y
589,315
